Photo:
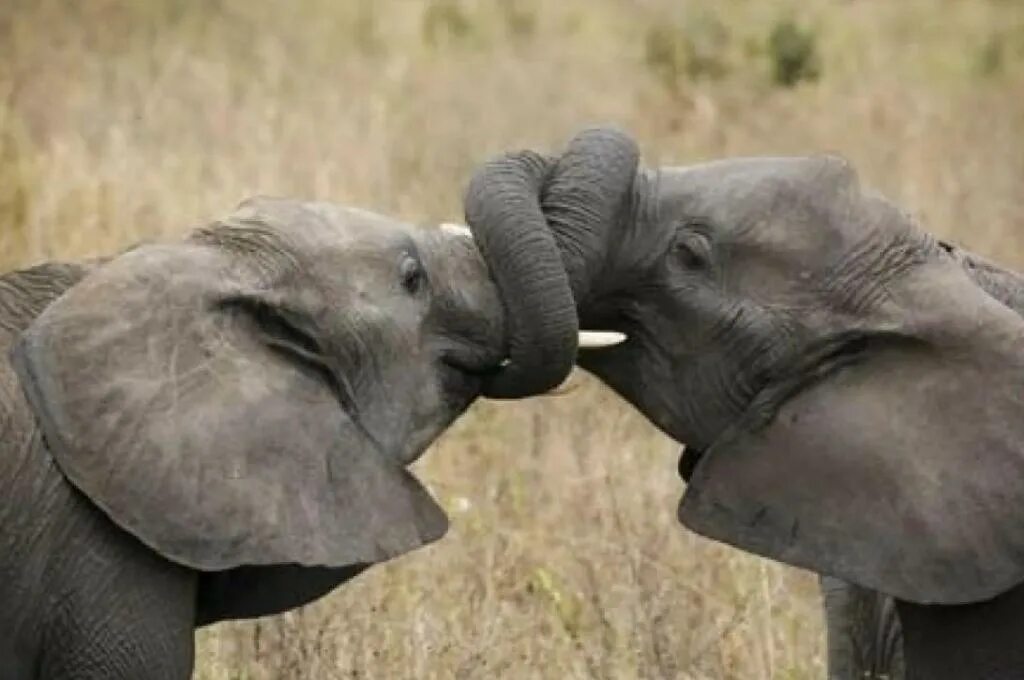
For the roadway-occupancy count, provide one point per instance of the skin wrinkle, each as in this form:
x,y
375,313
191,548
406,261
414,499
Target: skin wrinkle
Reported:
x,y
20,290
1004,285
366,379
859,282
504,206
757,356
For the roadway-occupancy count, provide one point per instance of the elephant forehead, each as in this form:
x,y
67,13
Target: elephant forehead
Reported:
x,y
743,191
792,216
347,251
319,223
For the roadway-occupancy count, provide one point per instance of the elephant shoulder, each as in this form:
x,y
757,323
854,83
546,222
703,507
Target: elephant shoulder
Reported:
x,y
25,293
24,469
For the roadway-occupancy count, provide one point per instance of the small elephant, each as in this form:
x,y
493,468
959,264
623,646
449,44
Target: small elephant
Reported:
x,y
219,428
850,389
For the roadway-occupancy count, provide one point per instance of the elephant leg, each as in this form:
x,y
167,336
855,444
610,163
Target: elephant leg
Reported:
x,y
138,625
864,634
117,610
983,641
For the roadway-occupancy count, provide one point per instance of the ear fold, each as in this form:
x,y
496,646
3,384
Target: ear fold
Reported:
x,y
903,472
166,408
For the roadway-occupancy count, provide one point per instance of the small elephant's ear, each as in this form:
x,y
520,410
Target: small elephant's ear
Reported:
x,y
165,397
902,472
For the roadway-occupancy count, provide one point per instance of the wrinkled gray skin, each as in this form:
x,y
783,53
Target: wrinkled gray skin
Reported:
x,y
849,389
865,640
219,428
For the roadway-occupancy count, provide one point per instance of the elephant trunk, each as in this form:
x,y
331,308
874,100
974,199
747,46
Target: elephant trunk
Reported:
x,y
544,227
587,200
503,212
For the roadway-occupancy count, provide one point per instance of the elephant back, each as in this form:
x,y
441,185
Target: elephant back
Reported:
x,y
25,293
31,487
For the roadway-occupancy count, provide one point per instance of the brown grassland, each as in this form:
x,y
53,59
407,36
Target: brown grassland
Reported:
x,y
122,121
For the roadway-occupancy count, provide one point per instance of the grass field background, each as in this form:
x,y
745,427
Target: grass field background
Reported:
x,y
122,121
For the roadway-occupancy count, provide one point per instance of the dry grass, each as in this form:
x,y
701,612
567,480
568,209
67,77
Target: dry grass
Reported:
x,y
124,120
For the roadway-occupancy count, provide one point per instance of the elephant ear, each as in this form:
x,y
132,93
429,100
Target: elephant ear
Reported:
x,y
165,396
904,470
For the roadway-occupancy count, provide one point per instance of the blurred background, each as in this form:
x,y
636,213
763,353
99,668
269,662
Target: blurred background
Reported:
x,y
128,120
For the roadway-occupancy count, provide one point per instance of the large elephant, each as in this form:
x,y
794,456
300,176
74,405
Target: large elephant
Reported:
x,y
219,428
850,390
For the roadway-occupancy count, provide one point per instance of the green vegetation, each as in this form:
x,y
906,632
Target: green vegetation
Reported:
x,y
794,54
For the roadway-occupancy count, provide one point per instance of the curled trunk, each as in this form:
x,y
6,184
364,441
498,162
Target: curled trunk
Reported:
x,y
543,226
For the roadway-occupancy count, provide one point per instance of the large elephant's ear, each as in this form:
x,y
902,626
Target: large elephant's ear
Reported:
x,y
167,395
902,472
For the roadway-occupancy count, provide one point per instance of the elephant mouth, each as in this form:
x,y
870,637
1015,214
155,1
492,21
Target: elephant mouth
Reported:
x,y
461,386
465,367
688,460
456,379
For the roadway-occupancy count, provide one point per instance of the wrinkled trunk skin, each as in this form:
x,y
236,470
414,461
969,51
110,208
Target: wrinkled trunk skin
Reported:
x,y
503,212
544,229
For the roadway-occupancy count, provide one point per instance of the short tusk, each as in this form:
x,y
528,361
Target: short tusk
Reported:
x,y
592,340
598,339
456,229
588,339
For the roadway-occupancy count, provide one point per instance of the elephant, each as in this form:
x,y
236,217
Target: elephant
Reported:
x,y
849,389
219,428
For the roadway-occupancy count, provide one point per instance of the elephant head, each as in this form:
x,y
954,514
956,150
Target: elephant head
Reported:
x,y
849,394
252,395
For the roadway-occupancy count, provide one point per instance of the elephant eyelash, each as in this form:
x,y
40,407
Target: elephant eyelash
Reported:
x,y
413,276
693,246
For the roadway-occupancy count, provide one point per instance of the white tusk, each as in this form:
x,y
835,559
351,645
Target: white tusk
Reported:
x,y
598,339
456,229
592,340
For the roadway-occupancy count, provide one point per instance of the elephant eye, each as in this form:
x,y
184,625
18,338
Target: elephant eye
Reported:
x,y
412,275
693,248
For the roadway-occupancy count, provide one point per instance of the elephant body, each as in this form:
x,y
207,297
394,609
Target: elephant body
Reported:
x,y
848,387
99,579
79,579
